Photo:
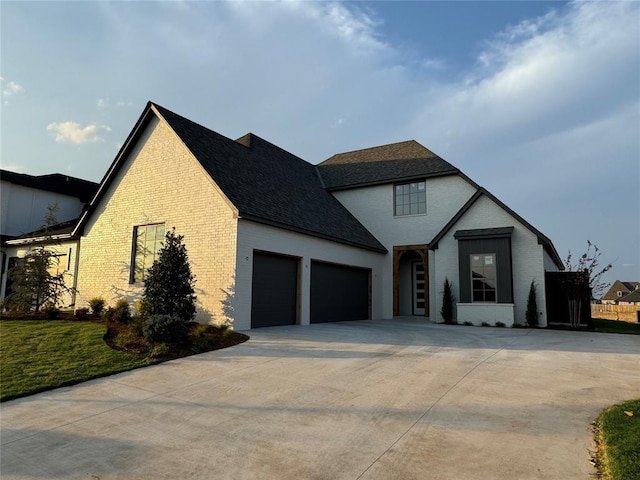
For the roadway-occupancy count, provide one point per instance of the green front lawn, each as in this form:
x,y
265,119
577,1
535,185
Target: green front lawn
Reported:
x,y
615,326
618,439
39,355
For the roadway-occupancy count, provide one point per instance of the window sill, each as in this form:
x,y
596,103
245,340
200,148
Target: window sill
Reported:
x,y
409,216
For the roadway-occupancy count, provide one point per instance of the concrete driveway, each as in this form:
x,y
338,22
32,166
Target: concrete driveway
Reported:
x,y
367,400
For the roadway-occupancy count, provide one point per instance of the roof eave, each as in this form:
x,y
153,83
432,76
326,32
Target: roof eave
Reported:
x,y
391,181
38,240
271,223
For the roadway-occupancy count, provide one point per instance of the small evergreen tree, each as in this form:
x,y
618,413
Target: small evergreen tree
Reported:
x,y
448,299
168,286
532,307
32,282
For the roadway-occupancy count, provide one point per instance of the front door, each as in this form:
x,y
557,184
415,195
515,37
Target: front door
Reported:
x,y
417,271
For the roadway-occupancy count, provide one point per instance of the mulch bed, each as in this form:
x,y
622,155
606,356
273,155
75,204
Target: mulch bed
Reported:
x,y
201,338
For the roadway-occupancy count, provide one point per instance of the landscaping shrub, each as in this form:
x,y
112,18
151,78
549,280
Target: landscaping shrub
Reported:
x,y
165,329
122,313
136,324
96,305
81,313
468,324
532,307
448,299
160,350
119,313
484,324
51,311
168,285
500,324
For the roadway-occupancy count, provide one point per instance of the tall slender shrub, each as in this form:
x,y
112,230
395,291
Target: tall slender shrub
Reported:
x,y
532,306
448,299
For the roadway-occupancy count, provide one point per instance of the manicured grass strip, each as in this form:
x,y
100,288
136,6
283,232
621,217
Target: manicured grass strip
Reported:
x,y
618,438
41,355
615,326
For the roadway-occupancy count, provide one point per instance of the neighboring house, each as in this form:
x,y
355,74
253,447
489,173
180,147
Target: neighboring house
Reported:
x,y
618,291
25,202
25,199
632,298
274,240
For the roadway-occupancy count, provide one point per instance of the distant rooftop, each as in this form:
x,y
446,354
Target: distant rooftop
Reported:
x,y
54,182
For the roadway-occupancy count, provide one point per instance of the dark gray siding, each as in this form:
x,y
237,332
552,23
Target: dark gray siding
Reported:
x,y
502,248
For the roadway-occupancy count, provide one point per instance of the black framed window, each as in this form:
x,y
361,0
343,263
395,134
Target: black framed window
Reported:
x,y
485,267
410,198
147,240
484,277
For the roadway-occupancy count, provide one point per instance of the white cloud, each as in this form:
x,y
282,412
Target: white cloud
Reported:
x,y
73,132
10,89
103,103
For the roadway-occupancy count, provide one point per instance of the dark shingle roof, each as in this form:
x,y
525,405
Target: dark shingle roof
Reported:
x,y
387,163
55,182
634,296
619,286
270,185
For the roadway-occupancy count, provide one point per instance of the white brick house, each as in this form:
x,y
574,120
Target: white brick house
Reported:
x,y
274,240
25,203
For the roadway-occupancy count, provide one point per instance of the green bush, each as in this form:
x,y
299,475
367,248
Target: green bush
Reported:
x,y
122,312
468,324
484,324
165,329
136,324
51,311
160,350
531,314
96,305
168,285
81,313
119,313
448,299
500,324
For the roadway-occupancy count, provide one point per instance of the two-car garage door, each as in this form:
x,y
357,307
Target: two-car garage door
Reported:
x,y
338,292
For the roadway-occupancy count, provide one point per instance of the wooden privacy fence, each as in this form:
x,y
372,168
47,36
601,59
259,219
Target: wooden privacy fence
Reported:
x,y
557,302
628,313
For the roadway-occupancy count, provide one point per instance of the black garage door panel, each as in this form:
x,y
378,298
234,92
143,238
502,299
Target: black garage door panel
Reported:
x,y
338,293
273,290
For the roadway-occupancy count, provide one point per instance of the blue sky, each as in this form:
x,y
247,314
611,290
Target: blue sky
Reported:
x,y
539,102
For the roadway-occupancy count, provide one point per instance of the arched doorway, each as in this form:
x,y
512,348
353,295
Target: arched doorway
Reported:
x,y
411,280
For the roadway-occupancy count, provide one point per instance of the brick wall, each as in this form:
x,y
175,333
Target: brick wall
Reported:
x,y
373,206
527,258
160,182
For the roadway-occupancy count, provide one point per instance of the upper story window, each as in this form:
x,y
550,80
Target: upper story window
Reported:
x,y
619,292
410,198
147,240
484,278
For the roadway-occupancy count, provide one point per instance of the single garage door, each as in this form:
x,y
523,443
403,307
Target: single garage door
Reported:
x,y
273,290
338,292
